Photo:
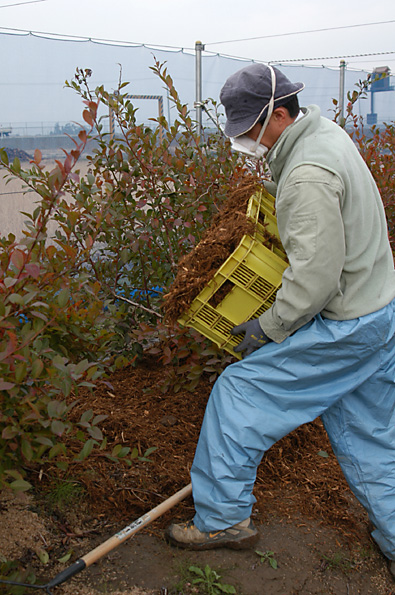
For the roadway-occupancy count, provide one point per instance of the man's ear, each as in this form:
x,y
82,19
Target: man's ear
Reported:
x,y
280,114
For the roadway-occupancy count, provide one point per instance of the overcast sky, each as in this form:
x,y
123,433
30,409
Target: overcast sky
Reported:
x,y
180,23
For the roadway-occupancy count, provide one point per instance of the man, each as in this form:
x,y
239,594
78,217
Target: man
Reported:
x,y
327,345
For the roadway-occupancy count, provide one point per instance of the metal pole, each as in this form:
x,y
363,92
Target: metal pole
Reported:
x,y
168,107
199,47
371,101
341,91
160,109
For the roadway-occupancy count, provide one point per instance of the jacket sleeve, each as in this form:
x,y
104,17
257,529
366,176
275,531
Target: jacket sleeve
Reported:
x,y
311,229
270,186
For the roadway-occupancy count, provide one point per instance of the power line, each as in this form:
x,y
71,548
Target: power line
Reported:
x,y
20,3
301,32
329,57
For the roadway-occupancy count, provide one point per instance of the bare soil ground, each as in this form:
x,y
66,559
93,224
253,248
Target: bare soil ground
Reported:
x,y
306,515
15,201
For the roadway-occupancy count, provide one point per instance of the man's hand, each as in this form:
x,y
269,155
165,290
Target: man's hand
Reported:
x,y
254,336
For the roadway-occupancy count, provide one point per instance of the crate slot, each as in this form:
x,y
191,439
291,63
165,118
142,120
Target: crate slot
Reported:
x,y
262,288
223,326
207,315
243,275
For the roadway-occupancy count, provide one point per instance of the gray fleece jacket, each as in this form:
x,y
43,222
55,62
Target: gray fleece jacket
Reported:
x,y
332,225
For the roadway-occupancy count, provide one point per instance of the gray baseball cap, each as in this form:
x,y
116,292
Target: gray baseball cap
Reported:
x,y
246,96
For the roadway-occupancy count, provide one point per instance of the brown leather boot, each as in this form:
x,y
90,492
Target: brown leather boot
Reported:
x,y
187,536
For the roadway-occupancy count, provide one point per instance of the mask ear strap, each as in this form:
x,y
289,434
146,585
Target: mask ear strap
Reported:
x,y
269,110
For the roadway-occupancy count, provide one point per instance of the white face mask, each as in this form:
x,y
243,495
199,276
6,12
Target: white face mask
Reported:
x,y
245,144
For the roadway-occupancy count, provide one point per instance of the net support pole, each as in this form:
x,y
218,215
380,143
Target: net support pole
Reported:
x,y
341,91
199,47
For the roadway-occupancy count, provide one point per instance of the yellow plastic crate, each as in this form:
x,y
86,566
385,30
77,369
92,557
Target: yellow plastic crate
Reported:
x,y
248,279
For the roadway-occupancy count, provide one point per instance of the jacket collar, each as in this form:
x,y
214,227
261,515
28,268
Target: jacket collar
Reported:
x,y
280,151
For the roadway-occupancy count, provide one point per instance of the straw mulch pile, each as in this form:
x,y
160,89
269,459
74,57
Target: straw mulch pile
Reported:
x,y
294,478
198,267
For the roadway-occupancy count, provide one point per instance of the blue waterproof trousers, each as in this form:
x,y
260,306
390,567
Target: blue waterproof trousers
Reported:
x,y
343,371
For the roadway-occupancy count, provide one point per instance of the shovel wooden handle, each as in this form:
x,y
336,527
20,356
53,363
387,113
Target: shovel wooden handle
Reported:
x,y
120,537
131,529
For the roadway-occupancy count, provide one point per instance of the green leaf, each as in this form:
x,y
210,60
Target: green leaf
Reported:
x,y
86,416
63,297
44,440
323,453
13,473
20,372
196,570
86,450
65,558
27,450
16,165
37,368
95,433
54,409
211,573
120,451
81,367
98,418
56,450
226,588
16,298
57,427
10,282
259,553
4,156
44,556
20,485
62,465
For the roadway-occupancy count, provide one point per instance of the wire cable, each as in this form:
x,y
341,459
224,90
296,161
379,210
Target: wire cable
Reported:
x,y
21,3
301,32
132,44
92,39
329,57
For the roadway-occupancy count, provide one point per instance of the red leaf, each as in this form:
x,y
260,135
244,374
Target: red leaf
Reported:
x,y
18,259
37,156
6,385
68,164
87,117
33,269
8,433
82,135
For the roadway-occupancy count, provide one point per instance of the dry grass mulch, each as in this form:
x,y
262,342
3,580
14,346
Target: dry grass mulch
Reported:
x,y
292,479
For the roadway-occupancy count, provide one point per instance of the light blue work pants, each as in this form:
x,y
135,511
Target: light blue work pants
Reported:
x,y
343,371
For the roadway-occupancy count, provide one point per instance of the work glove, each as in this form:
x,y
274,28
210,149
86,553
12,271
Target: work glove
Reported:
x,y
254,336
